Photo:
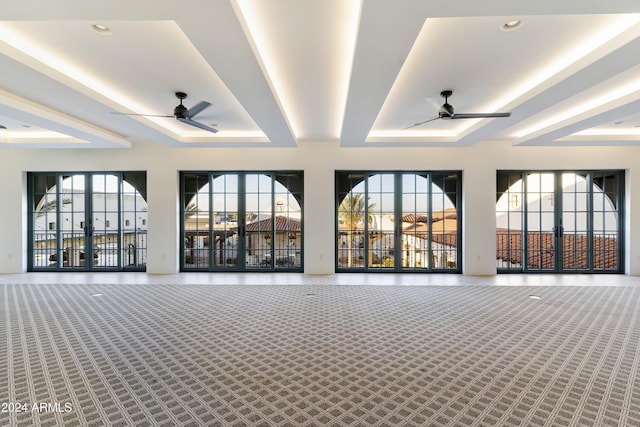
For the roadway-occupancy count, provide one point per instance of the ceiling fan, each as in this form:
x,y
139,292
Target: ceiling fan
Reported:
x,y
446,112
182,114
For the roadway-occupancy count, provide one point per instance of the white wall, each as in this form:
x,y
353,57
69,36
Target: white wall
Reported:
x,y
319,162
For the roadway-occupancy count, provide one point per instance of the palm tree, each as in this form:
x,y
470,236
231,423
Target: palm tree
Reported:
x,y
351,213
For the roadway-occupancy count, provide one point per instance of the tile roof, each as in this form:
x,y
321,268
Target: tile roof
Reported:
x,y
283,223
444,227
449,213
540,253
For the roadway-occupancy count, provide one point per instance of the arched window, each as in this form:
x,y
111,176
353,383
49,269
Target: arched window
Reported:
x,y
241,221
559,221
398,221
88,221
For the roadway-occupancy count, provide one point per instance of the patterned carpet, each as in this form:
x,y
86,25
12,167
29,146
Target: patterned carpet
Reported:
x,y
167,355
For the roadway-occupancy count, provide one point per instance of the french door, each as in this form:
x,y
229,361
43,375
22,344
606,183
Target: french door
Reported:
x,y
398,221
241,221
87,221
560,221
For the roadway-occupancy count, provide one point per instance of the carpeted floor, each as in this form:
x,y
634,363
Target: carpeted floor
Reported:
x,y
167,355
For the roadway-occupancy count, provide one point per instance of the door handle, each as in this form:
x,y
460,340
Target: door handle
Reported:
x,y
558,231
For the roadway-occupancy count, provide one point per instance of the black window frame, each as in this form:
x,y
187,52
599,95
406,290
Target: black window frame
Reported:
x,y
136,178
241,264
504,179
452,187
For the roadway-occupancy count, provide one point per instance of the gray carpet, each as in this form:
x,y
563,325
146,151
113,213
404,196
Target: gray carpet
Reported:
x,y
167,355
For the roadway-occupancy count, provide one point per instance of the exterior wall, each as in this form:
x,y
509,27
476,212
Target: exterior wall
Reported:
x,y
534,203
319,160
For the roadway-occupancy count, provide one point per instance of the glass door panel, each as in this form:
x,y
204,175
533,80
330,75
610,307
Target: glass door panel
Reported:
x,y
259,221
74,227
351,216
607,189
133,220
225,214
574,226
510,209
196,221
415,222
104,234
45,222
443,222
380,221
287,231
540,222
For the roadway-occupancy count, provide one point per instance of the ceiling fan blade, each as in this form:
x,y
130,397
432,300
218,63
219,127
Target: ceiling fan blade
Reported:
x,y
421,123
478,115
143,115
197,124
434,104
197,108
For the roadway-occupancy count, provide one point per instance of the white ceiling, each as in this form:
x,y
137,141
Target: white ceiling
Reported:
x,y
280,72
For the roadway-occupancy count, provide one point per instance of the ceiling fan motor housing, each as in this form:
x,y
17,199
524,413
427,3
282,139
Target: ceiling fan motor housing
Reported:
x,y
180,111
446,111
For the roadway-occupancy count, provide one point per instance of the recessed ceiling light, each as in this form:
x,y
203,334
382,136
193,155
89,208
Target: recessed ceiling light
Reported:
x,y
101,29
97,295
512,25
535,297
